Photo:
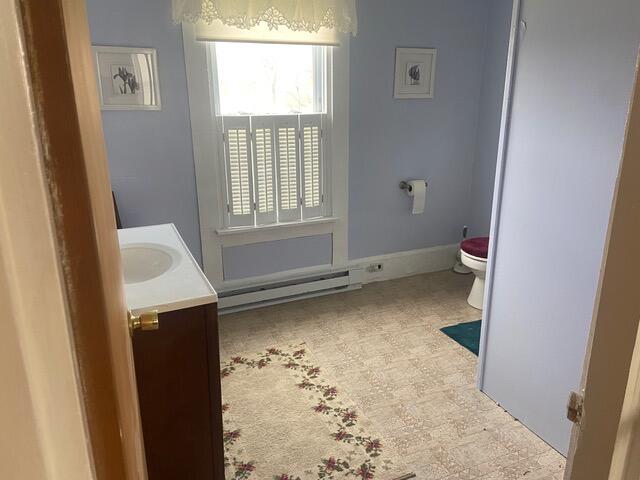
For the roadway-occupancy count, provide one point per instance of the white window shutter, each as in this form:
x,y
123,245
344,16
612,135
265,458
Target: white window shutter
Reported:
x,y
287,159
264,171
238,169
312,165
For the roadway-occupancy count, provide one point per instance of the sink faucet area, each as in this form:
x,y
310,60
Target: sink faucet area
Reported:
x,y
159,271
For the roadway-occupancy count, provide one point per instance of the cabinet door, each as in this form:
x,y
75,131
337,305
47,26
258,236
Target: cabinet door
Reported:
x,y
177,372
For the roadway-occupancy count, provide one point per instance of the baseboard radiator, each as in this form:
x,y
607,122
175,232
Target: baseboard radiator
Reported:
x,y
289,290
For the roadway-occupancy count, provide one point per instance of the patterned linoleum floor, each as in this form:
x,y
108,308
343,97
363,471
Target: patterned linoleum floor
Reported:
x,y
383,345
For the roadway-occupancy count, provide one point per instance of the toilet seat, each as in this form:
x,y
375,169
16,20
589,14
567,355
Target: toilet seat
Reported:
x,y
477,247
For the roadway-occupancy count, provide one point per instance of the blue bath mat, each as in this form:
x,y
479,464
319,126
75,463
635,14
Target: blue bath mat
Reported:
x,y
466,334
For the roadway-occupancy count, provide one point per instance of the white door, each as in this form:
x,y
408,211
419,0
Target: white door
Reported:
x,y
564,144
606,442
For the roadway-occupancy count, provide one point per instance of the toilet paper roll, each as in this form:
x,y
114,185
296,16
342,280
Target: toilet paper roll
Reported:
x,y
419,193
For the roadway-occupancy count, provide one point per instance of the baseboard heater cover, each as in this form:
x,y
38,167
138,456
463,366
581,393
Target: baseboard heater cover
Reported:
x,y
282,291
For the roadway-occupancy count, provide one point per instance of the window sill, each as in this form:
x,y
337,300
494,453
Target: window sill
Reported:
x,y
277,231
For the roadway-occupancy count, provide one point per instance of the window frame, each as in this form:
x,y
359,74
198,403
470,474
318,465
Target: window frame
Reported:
x,y
208,159
322,102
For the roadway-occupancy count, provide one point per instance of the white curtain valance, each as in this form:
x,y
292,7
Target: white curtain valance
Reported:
x,y
217,31
276,16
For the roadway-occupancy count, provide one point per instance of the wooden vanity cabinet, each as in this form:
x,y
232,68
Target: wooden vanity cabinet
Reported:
x,y
178,376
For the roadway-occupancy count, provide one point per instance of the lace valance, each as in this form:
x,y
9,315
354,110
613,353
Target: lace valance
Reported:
x,y
295,15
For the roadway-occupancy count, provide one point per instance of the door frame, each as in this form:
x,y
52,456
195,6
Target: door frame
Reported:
x,y
37,364
59,76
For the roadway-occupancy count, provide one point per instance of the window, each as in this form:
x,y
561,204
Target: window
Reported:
x,y
270,103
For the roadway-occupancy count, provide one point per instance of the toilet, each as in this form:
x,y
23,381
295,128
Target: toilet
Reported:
x,y
473,253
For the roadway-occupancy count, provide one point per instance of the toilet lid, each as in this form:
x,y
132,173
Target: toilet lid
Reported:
x,y
477,246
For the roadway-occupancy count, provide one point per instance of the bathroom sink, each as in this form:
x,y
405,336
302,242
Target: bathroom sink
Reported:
x,y
159,271
142,262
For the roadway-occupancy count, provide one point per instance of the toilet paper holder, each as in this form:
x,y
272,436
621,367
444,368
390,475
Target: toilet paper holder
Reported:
x,y
404,185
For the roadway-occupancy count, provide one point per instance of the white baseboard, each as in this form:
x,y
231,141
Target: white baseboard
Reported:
x,y
404,264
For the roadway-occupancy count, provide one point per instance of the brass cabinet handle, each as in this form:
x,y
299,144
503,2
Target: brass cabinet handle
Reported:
x,y
144,321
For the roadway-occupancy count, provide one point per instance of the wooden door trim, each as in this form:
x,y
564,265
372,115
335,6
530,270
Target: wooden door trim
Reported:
x,y
43,424
615,324
626,455
60,66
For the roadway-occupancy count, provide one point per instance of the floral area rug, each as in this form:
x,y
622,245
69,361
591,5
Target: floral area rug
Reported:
x,y
285,420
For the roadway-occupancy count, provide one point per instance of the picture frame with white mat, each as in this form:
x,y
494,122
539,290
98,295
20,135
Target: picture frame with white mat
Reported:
x,y
415,71
127,78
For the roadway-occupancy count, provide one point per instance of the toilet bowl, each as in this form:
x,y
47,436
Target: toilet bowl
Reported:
x,y
473,253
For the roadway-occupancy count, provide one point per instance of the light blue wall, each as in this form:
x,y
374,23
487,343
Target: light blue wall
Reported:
x,y
267,257
150,153
276,256
495,64
572,89
392,140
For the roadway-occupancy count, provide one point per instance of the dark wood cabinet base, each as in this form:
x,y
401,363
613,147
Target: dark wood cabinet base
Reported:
x,y
178,376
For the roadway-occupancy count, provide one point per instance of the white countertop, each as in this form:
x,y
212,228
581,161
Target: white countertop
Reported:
x,y
182,285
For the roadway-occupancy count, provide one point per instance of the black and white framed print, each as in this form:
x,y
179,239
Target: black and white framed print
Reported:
x,y
127,78
415,72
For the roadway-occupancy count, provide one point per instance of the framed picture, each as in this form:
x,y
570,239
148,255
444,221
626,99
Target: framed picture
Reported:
x,y
415,72
127,78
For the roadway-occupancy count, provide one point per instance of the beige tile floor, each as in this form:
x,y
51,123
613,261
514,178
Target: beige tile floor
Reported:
x,y
382,343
